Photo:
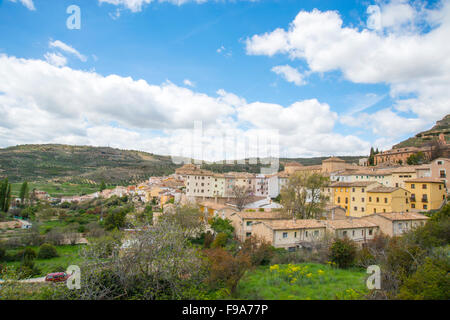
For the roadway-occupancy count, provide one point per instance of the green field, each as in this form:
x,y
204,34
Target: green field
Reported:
x,y
307,281
68,255
58,189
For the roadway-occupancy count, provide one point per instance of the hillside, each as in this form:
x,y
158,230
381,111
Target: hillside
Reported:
x,y
90,165
426,137
80,164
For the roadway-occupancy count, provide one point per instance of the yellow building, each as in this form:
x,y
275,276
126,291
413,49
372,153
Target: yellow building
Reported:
x,y
426,193
352,196
388,199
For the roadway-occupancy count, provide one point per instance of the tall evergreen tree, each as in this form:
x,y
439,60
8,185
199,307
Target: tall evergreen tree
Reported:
x,y
24,192
5,195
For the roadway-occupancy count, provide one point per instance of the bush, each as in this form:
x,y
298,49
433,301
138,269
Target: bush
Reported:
x,y
47,251
260,252
225,269
220,241
221,226
343,252
26,254
2,254
429,282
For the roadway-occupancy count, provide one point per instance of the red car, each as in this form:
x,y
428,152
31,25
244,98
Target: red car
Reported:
x,y
57,277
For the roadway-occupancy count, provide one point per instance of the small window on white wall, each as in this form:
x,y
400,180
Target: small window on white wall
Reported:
x,y
285,234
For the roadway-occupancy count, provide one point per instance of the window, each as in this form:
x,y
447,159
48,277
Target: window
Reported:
x,y
353,233
413,186
306,234
295,234
353,198
385,200
424,186
413,205
440,187
425,206
440,163
374,210
285,235
353,189
339,200
355,208
346,200
370,199
344,233
396,185
378,199
362,190
249,223
362,199
316,233
370,232
248,234
362,209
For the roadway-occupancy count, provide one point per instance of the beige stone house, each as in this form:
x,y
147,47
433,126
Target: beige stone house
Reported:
x,y
396,223
356,229
288,233
243,221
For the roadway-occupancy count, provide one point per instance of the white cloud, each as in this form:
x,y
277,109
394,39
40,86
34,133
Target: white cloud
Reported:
x,y
56,59
81,107
401,52
188,83
65,47
290,74
27,3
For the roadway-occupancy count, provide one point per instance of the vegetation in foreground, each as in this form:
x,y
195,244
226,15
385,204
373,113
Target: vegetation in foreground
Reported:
x,y
306,281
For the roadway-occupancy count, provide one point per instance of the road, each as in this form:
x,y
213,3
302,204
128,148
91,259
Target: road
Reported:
x,y
34,280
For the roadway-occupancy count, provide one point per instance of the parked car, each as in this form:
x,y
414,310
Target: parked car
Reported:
x,y
57,277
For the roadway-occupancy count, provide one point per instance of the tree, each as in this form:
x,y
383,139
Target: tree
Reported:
x,y
24,192
188,218
102,186
343,252
221,225
371,160
47,251
302,197
416,158
241,195
5,195
157,263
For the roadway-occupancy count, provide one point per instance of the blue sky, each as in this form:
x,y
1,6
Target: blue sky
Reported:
x,y
217,53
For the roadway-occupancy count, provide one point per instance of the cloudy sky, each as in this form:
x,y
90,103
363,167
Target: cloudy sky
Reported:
x,y
329,77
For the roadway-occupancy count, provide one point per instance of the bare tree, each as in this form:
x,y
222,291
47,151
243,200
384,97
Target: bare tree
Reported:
x,y
241,195
302,196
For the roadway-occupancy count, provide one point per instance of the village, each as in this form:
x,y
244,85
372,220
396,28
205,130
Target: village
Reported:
x,y
362,201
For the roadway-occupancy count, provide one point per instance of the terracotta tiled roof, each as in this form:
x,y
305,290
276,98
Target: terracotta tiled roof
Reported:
x,y
353,184
383,189
289,224
293,164
349,224
260,215
425,180
333,159
394,216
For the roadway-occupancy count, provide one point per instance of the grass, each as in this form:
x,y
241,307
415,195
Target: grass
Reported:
x,y
58,189
308,283
68,255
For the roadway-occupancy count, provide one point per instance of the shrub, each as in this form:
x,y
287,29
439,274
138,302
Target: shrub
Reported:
x,y
208,240
221,226
343,252
26,254
2,254
226,269
429,282
220,240
47,251
260,252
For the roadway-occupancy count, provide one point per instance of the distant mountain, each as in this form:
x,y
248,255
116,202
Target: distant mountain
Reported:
x,y
426,137
80,164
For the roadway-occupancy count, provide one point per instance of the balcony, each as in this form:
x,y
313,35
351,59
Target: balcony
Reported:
x,y
425,200
413,199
